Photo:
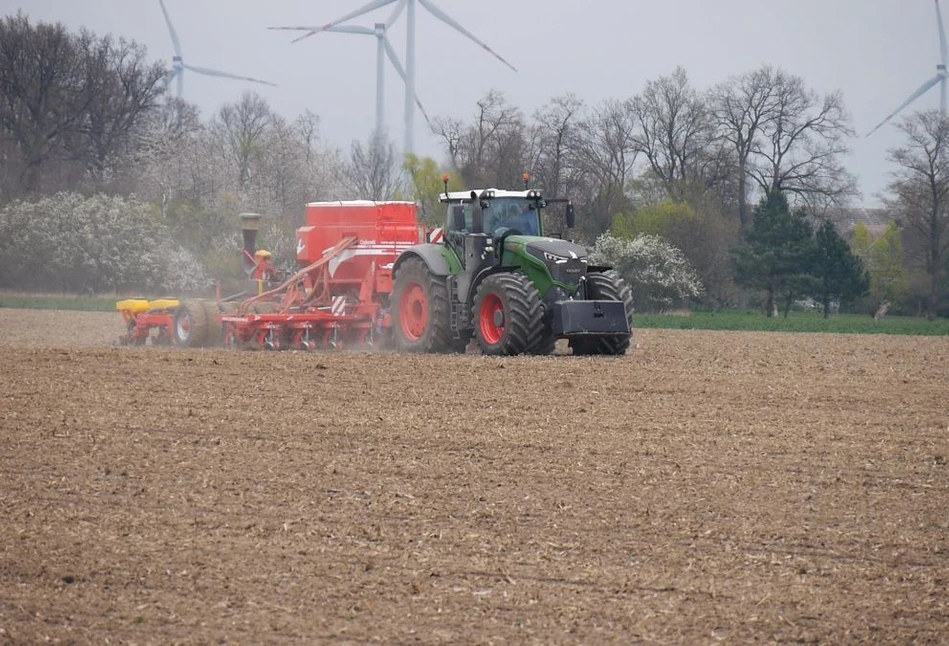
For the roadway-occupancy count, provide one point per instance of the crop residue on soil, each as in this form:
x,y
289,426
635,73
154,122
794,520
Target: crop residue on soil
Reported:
x,y
709,486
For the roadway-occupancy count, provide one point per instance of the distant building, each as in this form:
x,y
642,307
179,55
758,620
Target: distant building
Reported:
x,y
875,220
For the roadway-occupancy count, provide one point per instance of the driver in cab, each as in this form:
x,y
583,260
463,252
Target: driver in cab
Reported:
x,y
523,220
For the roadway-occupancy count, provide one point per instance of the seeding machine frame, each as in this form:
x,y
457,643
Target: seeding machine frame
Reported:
x,y
337,299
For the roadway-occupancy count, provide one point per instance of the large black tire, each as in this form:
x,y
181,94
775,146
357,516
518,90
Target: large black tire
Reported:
x,y
191,325
507,315
215,327
545,343
607,286
420,310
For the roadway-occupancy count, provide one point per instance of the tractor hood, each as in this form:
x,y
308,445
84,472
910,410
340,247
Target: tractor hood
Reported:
x,y
565,261
561,250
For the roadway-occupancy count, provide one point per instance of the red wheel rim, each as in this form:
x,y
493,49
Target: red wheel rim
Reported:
x,y
413,312
490,307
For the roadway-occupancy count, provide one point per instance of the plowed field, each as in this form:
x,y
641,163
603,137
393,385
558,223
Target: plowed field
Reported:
x,y
708,486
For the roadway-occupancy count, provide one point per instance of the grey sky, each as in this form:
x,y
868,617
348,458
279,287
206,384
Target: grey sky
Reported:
x,y
876,52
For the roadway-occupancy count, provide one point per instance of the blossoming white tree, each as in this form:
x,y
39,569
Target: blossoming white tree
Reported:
x,y
92,244
658,274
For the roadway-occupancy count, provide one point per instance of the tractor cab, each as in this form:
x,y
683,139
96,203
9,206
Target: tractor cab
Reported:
x,y
501,211
479,222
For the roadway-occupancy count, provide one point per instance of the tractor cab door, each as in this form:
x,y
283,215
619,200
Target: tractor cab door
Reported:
x,y
473,247
466,236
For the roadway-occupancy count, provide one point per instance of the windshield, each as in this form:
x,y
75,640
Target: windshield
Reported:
x,y
516,213
504,213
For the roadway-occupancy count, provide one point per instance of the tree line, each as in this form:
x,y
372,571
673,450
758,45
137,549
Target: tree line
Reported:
x,y
87,114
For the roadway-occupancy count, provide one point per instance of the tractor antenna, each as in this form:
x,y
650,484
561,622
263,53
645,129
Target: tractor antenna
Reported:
x,y
527,178
445,179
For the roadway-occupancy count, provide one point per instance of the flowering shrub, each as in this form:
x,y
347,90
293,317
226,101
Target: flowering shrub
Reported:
x,y
658,274
79,244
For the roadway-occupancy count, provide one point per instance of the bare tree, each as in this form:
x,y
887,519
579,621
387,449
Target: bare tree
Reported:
x,y
553,129
121,91
740,107
71,104
919,192
40,80
802,142
323,165
161,160
491,150
373,172
675,133
603,147
243,126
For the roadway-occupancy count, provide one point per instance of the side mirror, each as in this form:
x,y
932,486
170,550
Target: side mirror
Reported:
x,y
477,215
571,216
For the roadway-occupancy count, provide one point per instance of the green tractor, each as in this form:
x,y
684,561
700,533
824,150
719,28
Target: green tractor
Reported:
x,y
495,276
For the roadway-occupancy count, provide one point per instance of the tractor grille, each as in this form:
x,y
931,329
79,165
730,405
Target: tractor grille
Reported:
x,y
566,262
569,271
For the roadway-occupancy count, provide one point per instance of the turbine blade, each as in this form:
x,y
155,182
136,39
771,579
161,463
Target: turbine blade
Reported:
x,y
445,18
171,29
375,4
352,29
915,95
294,28
394,59
942,37
400,5
209,72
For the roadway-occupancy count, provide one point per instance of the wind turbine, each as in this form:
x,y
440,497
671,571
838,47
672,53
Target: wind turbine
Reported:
x,y
178,66
383,49
941,77
409,6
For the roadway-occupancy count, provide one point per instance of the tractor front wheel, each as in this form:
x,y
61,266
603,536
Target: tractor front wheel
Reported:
x,y
507,315
420,310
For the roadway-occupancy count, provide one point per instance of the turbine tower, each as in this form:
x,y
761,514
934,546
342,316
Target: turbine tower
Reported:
x,y
941,77
384,50
409,6
178,66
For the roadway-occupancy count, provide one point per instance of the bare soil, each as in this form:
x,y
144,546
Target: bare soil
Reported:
x,y
709,486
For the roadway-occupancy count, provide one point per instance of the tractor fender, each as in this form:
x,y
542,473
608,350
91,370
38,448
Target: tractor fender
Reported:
x,y
433,255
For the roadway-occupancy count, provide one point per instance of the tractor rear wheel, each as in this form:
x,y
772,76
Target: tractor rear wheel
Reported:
x,y
507,315
420,310
607,286
191,325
